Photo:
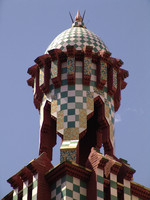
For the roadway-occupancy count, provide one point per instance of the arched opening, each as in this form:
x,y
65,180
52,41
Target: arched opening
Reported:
x,y
97,134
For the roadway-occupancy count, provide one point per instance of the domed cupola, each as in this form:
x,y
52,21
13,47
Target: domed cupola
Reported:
x,y
79,36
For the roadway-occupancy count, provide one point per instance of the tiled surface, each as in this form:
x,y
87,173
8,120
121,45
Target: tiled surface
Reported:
x,y
71,104
103,70
34,187
70,65
71,134
115,78
76,99
78,24
127,190
113,186
87,66
68,154
78,37
68,150
15,194
54,69
100,184
70,144
68,187
25,191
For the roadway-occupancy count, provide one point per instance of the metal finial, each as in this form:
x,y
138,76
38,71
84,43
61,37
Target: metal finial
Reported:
x,y
78,17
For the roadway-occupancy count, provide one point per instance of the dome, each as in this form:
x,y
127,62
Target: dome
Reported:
x,y
79,36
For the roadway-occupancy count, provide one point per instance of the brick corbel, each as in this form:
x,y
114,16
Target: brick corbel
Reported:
x,y
25,174
125,172
40,166
115,168
15,182
104,54
30,82
69,168
32,72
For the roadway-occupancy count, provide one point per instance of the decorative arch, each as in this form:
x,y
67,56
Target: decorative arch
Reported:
x,y
97,134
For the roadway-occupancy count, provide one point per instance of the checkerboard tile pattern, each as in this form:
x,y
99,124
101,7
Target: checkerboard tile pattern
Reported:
x,y
71,104
25,191
100,184
78,37
68,150
113,186
70,144
73,99
127,190
68,188
78,24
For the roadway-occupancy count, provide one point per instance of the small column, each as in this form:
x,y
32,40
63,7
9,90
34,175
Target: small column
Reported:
x,y
100,178
15,194
34,187
127,189
25,190
26,177
113,167
126,175
100,184
113,186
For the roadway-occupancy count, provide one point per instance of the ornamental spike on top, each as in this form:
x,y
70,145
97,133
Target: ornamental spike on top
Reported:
x,y
78,17
78,21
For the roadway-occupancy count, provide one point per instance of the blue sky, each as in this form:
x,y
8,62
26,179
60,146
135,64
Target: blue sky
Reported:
x,y
27,27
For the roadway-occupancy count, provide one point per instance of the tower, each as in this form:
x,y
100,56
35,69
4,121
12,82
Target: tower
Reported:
x,y
77,89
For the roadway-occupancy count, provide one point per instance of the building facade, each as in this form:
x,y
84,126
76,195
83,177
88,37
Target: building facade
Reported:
x,y
77,90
